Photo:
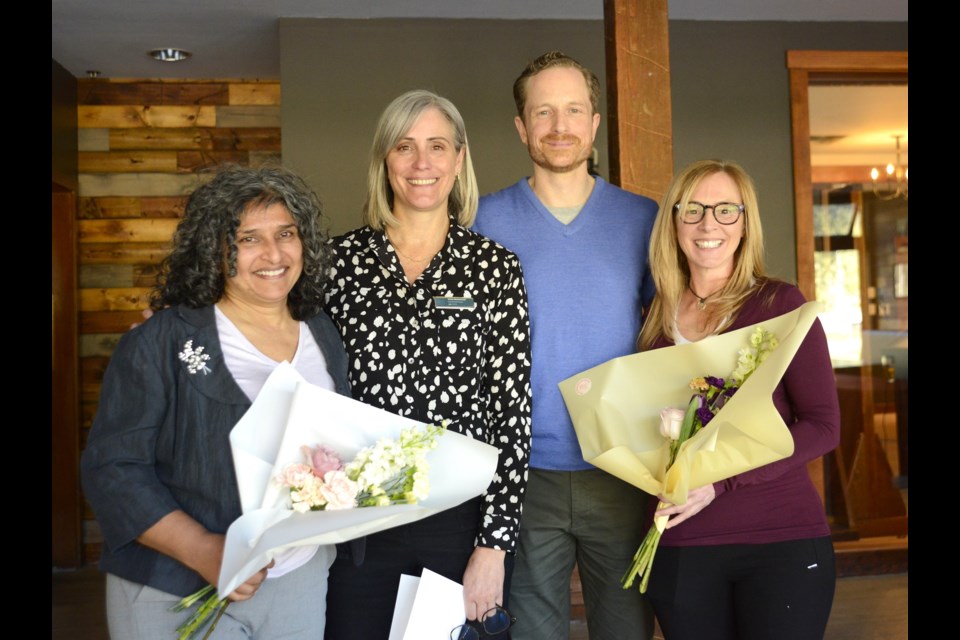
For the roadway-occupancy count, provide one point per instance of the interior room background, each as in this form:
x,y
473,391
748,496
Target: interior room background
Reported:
x,y
730,98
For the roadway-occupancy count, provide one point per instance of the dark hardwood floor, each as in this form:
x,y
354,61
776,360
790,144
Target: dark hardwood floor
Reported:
x,y
865,608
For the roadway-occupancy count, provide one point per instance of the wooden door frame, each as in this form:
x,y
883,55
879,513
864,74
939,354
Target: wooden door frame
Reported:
x,y
840,67
820,65
66,498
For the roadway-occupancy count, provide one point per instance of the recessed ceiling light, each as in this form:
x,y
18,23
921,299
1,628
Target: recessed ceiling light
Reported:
x,y
169,54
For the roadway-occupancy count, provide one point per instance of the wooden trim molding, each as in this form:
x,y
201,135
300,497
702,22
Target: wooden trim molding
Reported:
x,y
820,66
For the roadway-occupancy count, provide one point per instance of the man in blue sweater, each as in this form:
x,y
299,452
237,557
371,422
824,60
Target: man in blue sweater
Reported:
x,y
582,243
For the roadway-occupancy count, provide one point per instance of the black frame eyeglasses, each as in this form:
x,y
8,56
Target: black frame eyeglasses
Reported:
x,y
493,621
723,212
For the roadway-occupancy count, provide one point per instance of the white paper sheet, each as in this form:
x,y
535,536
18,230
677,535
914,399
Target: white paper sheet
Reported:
x,y
289,413
427,608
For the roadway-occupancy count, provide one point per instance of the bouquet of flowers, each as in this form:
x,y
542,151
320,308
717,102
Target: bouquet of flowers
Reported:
x,y
727,427
678,426
296,495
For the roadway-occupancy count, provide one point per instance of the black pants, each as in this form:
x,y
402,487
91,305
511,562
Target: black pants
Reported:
x,y
360,600
781,591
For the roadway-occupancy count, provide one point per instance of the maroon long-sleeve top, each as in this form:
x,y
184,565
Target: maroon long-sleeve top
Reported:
x,y
776,502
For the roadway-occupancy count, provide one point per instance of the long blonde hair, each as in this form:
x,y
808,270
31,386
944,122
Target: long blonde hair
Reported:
x,y
669,266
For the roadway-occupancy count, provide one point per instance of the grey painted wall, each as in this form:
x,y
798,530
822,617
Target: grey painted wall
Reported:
x,y
731,99
337,76
730,94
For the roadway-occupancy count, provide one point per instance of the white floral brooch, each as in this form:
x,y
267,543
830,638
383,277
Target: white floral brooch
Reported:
x,y
196,359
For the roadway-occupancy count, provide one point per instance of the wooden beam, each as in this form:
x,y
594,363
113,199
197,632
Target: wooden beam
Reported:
x,y
65,453
639,121
848,61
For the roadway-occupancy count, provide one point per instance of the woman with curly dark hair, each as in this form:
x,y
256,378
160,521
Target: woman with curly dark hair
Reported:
x,y
239,293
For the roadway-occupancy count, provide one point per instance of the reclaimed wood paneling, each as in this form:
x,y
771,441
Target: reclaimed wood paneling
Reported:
x,y
212,139
125,230
127,161
241,139
123,253
132,207
104,92
215,93
262,93
120,116
139,184
109,321
100,276
248,116
92,369
98,344
97,276
144,147
87,409
190,161
93,139
114,299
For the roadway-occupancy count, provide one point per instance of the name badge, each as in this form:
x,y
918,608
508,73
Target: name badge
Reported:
x,y
454,303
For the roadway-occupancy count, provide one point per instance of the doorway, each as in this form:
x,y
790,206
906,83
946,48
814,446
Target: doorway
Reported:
x,y
852,257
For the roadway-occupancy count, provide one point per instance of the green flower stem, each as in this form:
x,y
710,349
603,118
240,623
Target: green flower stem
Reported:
x,y
212,604
643,559
221,609
192,599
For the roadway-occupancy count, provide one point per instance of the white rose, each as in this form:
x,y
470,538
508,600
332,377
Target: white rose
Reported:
x,y
670,422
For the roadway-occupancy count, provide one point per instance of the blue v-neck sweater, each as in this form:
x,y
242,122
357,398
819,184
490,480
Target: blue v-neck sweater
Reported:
x,y
586,283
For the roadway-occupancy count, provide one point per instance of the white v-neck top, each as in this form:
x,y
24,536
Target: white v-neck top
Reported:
x,y
250,367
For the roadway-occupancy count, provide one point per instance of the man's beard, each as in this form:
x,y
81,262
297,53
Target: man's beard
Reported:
x,y
540,158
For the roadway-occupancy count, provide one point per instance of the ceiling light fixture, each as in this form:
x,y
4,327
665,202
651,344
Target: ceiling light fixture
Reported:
x,y
169,54
896,181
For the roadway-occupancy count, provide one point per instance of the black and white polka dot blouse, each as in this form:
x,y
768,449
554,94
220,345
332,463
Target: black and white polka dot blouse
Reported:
x,y
455,346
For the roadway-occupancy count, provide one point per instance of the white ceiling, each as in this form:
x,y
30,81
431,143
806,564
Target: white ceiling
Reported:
x,y
239,39
863,120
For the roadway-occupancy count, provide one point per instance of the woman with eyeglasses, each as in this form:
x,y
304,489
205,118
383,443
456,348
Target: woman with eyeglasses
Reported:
x,y
749,557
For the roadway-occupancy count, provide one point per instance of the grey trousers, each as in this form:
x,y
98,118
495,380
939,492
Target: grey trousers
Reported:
x,y
291,607
596,520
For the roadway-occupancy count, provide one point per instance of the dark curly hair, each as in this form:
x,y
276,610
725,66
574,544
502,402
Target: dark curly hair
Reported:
x,y
204,250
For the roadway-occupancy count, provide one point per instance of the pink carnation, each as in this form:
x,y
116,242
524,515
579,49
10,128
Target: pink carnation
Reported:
x,y
322,459
338,490
295,476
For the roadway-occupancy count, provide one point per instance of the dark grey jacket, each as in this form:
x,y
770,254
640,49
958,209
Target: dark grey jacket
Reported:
x,y
159,441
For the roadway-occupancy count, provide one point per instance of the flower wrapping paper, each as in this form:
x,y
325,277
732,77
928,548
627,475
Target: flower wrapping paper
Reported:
x,y
289,413
615,408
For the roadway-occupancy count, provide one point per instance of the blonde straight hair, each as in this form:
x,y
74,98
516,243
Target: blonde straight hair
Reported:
x,y
397,119
669,266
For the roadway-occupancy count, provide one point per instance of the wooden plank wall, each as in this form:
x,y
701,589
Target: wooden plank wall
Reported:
x,y
144,145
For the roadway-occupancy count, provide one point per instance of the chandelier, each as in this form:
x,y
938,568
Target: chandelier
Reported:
x,y
895,184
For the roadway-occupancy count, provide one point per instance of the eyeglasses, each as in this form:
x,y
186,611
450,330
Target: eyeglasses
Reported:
x,y
723,212
494,621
